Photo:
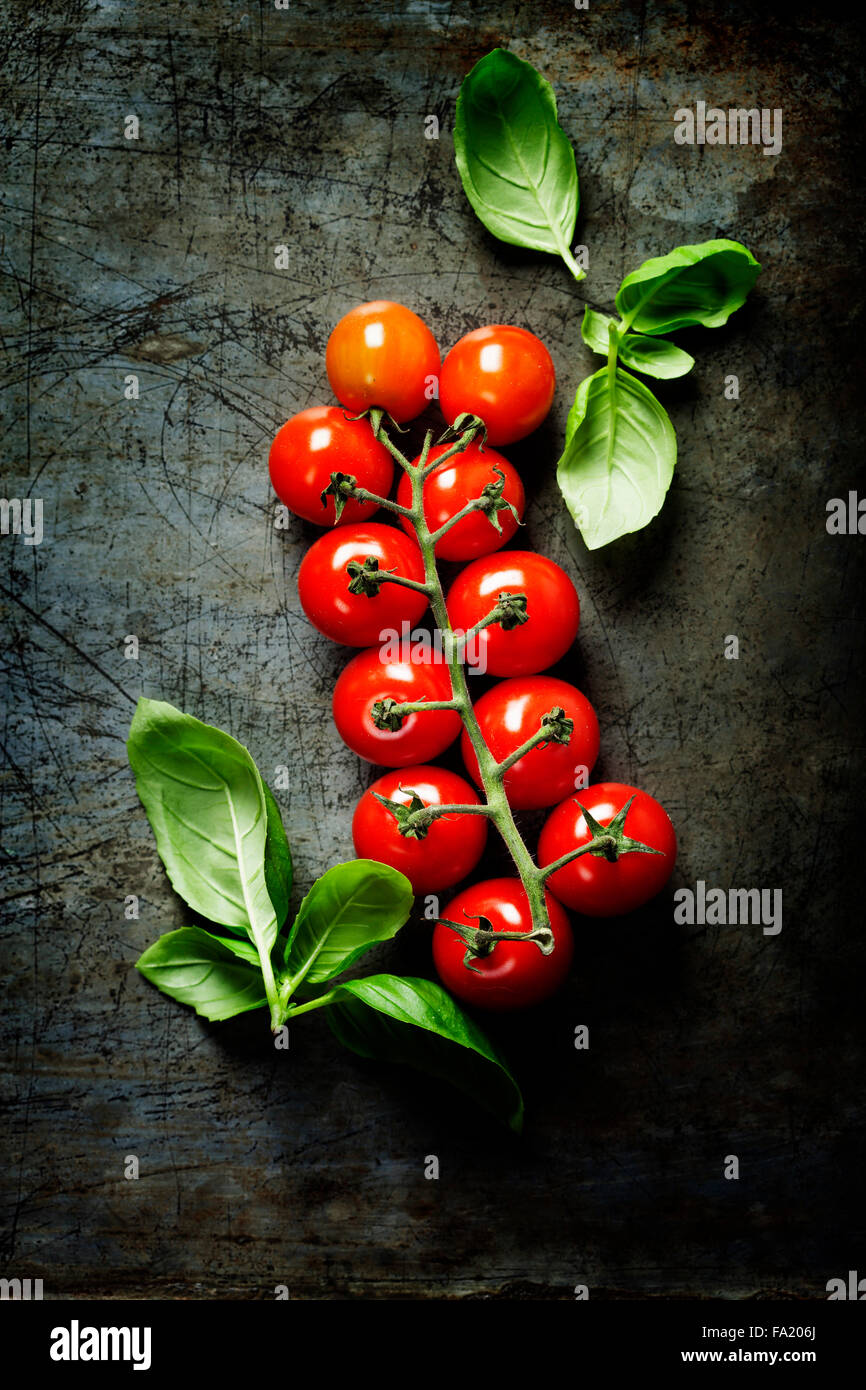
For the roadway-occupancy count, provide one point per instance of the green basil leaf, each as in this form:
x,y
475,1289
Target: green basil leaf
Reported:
x,y
594,330
701,284
619,457
416,1022
349,909
196,968
278,858
516,163
206,803
652,356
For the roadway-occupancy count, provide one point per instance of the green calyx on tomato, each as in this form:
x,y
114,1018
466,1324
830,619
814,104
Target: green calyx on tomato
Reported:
x,y
611,840
342,487
481,940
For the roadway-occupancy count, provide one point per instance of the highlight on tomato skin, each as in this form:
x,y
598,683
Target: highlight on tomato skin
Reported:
x,y
320,441
383,354
552,607
591,884
452,845
503,374
457,481
422,735
515,975
509,713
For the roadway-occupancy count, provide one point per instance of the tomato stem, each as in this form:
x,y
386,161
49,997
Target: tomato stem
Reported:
x,y
554,728
367,578
480,941
361,494
491,773
604,843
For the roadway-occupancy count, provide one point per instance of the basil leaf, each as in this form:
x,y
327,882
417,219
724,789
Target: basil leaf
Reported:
x,y
619,457
196,968
652,356
349,909
516,163
206,803
594,330
278,858
416,1022
701,284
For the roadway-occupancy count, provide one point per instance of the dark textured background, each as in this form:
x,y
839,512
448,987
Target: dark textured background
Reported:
x,y
260,127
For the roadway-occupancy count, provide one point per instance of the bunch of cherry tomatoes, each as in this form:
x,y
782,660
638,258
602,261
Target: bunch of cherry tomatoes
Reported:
x,y
381,354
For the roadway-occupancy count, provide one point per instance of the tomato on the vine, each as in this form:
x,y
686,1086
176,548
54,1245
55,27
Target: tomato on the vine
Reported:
x,y
358,620
452,844
515,974
448,488
382,354
503,374
592,884
510,713
422,735
316,443
551,604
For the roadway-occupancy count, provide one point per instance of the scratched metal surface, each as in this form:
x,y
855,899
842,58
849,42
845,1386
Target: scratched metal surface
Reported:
x,y
305,127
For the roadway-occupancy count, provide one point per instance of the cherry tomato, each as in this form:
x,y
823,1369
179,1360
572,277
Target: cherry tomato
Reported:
x,y
503,374
359,620
452,845
447,490
422,735
382,354
515,975
551,603
510,713
313,445
592,884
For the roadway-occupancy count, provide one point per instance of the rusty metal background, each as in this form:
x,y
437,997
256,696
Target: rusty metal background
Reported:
x,y
155,256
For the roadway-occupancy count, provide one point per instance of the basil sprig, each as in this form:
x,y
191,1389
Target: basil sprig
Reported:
x,y
518,170
221,838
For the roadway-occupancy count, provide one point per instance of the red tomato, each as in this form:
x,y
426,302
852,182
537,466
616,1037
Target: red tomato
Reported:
x,y
509,713
504,375
447,490
313,445
422,735
551,602
356,619
592,884
382,354
515,975
453,844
